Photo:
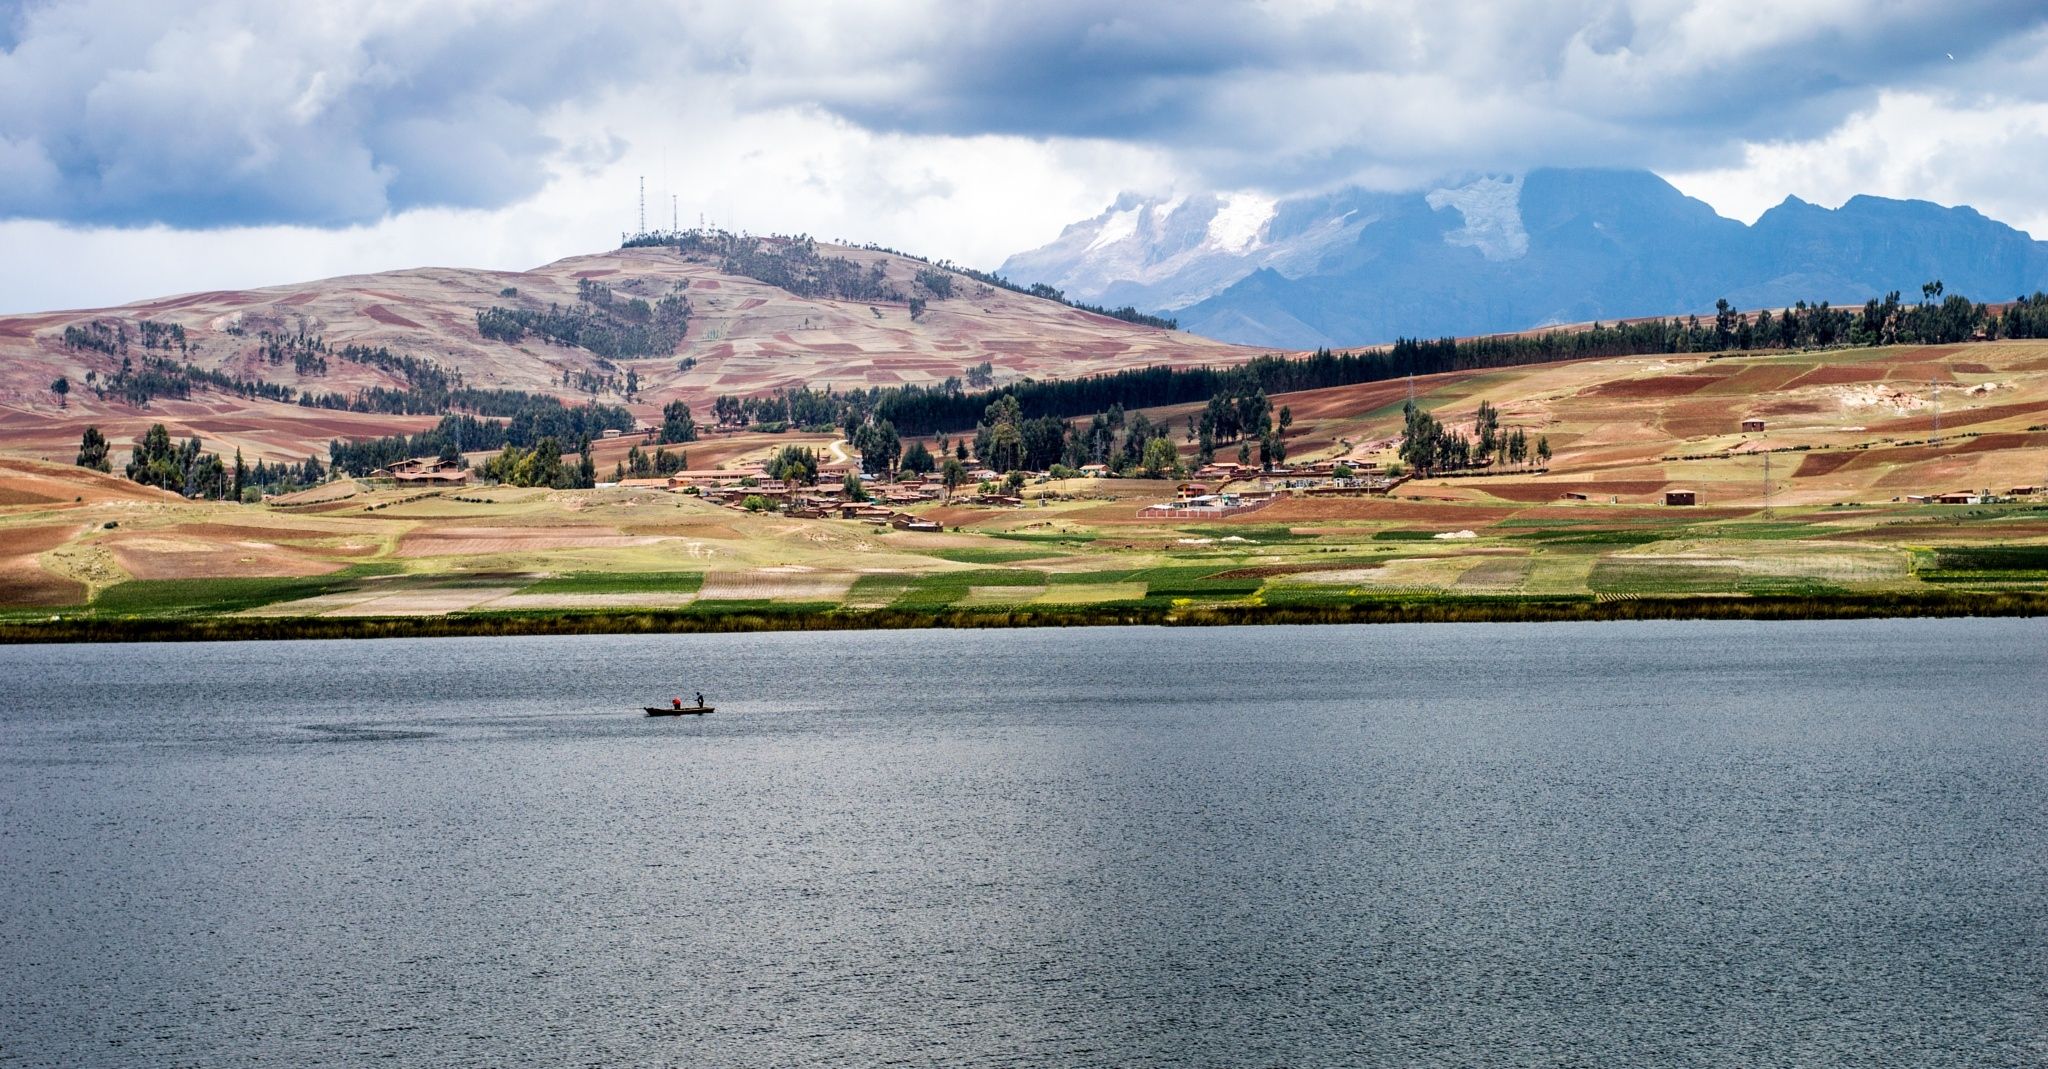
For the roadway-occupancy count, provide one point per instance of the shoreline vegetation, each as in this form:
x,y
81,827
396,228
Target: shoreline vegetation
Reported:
x,y
1567,609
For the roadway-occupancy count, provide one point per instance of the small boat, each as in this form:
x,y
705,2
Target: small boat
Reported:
x,y
686,710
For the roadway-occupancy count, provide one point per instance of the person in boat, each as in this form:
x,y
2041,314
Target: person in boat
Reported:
x,y
700,699
678,702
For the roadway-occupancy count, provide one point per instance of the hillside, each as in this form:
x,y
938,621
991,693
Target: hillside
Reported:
x,y
742,336
1355,267
1850,437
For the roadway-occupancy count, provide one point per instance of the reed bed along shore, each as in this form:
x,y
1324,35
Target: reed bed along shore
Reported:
x,y
803,618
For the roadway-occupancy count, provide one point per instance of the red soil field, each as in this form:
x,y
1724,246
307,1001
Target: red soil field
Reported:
x,y
1757,379
1837,375
1662,386
1815,464
1962,418
389,318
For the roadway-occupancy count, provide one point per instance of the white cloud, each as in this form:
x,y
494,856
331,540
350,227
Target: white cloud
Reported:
x,y
974,200
1989,154
364,134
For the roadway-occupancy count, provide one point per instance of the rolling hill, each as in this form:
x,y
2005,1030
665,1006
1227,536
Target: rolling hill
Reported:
x,y
264,349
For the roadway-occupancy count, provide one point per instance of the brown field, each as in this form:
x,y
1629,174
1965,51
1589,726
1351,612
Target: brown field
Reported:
x,y
481,541
23,579
1846,441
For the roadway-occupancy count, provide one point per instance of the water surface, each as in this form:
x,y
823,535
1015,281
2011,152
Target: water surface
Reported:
x,y
1814,844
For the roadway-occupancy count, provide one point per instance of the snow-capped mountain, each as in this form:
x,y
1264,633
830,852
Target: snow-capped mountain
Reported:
x,y
1507,252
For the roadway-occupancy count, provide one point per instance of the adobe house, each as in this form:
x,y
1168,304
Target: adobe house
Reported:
x,y
1753,423
1681,497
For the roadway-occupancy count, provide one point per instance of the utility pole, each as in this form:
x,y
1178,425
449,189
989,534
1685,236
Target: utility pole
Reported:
x,y
1767,484
1936,440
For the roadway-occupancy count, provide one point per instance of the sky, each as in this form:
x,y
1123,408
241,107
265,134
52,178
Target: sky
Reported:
x,y
150,147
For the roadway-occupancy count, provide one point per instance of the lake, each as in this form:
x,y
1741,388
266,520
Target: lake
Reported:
x,y
1642,844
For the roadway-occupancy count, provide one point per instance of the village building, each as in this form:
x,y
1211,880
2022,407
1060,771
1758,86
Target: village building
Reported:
x,y
1753,423
1208,506
1681,497
430,472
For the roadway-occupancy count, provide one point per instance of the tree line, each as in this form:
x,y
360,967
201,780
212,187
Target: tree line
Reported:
x,y
1430,447
187,468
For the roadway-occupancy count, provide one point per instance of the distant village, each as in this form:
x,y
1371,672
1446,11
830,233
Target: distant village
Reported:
x,y
1212,491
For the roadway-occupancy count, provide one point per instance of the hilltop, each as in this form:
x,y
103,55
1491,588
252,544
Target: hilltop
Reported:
x,y
707,331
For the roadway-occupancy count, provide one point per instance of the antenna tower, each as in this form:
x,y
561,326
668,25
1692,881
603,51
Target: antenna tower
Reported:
x,y
643,204
675,216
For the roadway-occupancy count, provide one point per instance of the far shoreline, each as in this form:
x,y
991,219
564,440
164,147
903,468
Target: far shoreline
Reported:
x,y
1943,604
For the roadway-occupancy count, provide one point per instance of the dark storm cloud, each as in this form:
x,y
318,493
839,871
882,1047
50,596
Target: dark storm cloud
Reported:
x,y
1281,94
223,112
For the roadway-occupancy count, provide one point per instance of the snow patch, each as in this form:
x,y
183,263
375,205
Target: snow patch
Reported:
x,y
1492,208
1238,221
1117,227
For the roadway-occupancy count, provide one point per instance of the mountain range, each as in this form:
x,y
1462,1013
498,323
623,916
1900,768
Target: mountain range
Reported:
x,y
1507,253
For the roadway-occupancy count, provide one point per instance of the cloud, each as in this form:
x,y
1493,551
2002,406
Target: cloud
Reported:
x,y
237,112
234,112
241,142
1988,158
1288,96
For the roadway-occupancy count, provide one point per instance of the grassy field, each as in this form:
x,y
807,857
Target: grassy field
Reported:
x,y
1840,537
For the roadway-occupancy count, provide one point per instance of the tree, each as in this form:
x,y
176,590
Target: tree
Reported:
x,y
1013,483
676,424
916,307
62,388
1001,443
92,451
879,447
1160,458
854,489
586,468
1244,454
1272,450
241,474
953,475
918,459
795,464
153,461
1543,451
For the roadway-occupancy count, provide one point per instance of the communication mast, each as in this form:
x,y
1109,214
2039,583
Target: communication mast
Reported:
x,y
643,204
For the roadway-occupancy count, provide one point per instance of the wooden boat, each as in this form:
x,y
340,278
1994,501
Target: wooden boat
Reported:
x,y
687,710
